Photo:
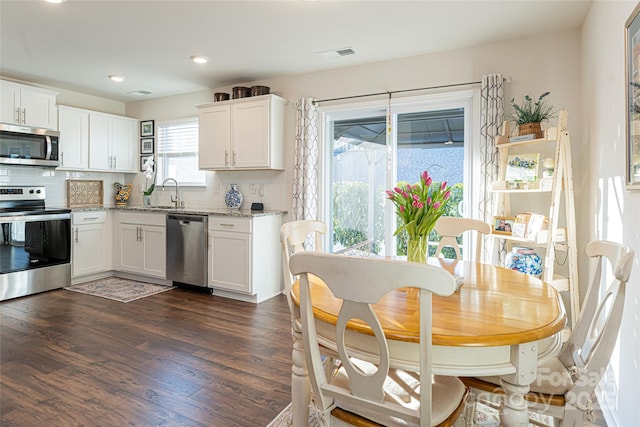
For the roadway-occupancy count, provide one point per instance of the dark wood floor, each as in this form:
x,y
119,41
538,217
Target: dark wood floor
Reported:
x,y
178,358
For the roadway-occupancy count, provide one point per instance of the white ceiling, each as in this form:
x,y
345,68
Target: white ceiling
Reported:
x,y
76,44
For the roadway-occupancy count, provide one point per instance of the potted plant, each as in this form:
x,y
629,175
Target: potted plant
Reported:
x,y
530,113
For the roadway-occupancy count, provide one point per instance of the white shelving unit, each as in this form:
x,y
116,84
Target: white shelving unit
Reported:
x,y
558,241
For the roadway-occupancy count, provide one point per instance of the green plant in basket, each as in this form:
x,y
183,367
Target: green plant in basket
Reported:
x,y
530,111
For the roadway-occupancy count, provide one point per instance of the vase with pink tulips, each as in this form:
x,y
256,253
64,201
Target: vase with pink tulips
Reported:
x,y
419,206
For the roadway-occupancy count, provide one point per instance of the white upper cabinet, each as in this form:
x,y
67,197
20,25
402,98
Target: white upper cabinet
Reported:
x,y
112,143
73,124
97,141
27,106
245,133
214,149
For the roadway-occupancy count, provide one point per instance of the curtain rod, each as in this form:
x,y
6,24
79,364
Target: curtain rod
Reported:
x,y
506,79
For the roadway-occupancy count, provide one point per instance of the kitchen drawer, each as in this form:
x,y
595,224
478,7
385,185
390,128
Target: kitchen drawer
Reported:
x,y
225,223
89,217
143,218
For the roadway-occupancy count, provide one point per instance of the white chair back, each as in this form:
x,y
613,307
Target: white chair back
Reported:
x,y
293,236
451,227
590,345
361,282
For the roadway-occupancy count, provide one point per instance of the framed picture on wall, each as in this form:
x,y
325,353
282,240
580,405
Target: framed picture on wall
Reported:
x,y
146,146
146,128
632,77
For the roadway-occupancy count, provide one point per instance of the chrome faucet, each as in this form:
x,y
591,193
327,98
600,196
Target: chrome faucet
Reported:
x,y
175,201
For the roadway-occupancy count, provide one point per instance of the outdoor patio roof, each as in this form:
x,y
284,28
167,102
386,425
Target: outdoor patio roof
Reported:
x,y
423,129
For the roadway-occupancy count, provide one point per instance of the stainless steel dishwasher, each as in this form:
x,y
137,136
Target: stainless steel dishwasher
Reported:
x,y
187,245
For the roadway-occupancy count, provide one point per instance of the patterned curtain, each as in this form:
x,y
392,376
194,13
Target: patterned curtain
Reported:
x,y
305,162
491,118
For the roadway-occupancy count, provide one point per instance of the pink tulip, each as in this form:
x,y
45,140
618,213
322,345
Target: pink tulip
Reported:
x,y
401,208
443,185
428,182
429,200
390,194
425,176
420,205
397,190
416,197
437,205
405,194
447,195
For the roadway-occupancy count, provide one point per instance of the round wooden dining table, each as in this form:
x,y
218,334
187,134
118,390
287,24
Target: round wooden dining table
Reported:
x,y
499,322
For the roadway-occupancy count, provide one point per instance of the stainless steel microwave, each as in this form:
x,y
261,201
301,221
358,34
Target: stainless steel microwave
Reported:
x,y
21,145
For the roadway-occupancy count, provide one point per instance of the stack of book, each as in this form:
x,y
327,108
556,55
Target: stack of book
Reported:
x,y
519,138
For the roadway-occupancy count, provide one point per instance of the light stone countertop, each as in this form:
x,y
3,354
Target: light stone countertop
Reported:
x,y
188,211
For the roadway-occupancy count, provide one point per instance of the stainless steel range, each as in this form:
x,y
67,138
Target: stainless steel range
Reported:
x,y
35,244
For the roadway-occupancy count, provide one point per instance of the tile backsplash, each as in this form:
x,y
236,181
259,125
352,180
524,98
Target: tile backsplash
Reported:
x,y
275,193
55,181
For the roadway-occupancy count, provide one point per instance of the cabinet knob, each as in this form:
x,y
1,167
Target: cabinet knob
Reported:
x,y
226,158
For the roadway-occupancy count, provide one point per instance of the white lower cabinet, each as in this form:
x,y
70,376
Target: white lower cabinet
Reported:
x,y
141,244
91,243
244,256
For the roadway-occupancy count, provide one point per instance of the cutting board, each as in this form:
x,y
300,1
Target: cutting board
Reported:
x,y
85,193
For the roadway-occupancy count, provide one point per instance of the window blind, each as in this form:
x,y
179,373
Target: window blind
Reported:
x,y
178,152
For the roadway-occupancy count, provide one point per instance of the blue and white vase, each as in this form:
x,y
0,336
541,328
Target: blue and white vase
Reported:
x,y
524,260
233,198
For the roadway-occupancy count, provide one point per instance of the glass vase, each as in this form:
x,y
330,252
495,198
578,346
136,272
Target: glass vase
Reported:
x,y
417,249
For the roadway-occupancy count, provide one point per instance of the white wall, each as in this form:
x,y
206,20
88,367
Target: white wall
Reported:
x,y
606,210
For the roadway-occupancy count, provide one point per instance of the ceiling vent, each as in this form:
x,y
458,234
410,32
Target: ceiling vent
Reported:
x,y
140,92
346,52
334,53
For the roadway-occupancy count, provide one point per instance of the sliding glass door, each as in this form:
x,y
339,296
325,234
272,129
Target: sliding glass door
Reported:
x,y
369,148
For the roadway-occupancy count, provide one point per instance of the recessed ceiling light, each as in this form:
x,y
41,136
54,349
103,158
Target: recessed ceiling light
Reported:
x,y
198,59
117,79
55,1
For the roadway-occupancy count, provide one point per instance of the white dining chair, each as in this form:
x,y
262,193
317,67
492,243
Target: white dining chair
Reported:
x,y
298,236
564,387
451,227
293,236
362,392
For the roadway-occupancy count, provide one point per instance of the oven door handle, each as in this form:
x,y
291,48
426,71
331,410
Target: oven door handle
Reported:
x,y
34,218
